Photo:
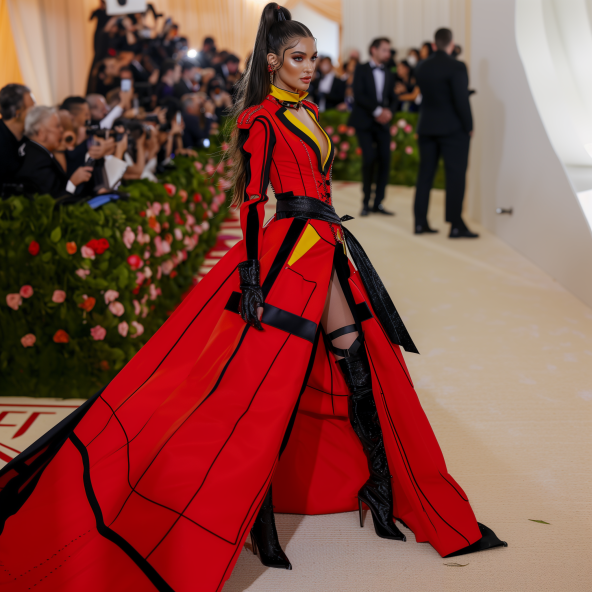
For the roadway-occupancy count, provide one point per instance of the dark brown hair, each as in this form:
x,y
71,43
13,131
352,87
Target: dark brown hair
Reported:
x,y
276,30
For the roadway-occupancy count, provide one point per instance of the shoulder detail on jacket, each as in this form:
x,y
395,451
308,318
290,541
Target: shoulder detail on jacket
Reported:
x,y
247,117
312,106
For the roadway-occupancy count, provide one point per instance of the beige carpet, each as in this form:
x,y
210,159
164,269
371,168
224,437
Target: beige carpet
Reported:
x,y
505,376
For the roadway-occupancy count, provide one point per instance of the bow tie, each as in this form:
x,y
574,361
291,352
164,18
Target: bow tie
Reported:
x,y
381,67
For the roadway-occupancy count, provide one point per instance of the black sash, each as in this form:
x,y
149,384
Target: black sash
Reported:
x,y
311,208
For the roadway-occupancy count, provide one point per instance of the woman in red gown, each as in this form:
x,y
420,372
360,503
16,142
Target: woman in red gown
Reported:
x,y
282,365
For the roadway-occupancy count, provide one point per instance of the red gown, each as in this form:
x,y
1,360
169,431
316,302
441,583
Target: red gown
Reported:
x,y
155,482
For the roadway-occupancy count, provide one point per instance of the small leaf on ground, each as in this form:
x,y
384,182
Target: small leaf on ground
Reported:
x,y
539,521
456,564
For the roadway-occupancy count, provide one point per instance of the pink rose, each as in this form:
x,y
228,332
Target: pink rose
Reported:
x,y
351,131
178,234
87,252
408,128
117,308
137,308
329,130
393,145
159,272
394,130
342,155
166,206
215,206
220,168
58,296
167,266
205,225
82,273
138,327
128,237
123,328
335,139
28,340
401,123
111,296
162,247
140,277
14,301
170,189
26,291
210,169
198,166
98,333
152,292
344,146
147,272
409,150
146,254
156,208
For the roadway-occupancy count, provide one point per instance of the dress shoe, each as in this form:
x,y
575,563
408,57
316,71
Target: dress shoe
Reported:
x,y
424,229
456,232
365,211
380,210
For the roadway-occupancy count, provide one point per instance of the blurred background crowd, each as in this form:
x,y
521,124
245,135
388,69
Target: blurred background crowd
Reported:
x,y
149,97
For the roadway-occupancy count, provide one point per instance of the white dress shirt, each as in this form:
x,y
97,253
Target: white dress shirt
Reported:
x,y
379,76
325,88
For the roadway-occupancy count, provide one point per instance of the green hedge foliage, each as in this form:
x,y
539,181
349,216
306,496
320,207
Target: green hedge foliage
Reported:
x,y
81,290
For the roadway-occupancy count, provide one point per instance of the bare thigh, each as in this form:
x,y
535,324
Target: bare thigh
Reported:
x,y
337,314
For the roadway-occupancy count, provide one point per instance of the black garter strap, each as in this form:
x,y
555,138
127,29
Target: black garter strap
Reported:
x,y
314,209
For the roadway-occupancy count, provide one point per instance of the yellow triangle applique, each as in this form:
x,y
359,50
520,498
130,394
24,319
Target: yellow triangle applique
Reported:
x,y
308,240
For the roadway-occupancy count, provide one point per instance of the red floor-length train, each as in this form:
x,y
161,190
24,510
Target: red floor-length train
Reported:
x,y
155,482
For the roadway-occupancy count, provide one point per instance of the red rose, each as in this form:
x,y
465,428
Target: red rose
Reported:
x,y
88,304
170,189
178,219
358,150
34,248
136,290
61,336
173,274
197,197
134,261
143,214
103,245
152,222
104,365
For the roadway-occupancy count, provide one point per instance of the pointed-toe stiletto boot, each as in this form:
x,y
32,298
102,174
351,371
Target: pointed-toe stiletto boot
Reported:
x,y
264,537
377,492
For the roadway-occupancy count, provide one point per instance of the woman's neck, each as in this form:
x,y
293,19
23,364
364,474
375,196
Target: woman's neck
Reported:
x,y
283,86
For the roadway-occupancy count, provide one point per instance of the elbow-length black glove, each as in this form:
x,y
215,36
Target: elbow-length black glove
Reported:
x,y
252,293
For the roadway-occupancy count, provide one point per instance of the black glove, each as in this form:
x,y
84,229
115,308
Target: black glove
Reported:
x,y
252,294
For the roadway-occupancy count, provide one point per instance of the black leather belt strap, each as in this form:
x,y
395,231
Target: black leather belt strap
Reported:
x,y
278,318
301,206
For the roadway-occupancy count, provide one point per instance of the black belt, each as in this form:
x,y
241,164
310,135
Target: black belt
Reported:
x,y
314,209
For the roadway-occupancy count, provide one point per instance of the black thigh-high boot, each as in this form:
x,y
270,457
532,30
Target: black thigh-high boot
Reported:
x,y
264,537
377,492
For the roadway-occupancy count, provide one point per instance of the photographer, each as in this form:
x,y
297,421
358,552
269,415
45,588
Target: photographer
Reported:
x,y
193,106
15,102
40,172
170,74
188,82
221,99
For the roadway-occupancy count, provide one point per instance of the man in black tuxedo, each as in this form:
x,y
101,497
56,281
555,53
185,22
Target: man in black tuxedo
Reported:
x,y
187,83
40,172
445,128
375,103
328,90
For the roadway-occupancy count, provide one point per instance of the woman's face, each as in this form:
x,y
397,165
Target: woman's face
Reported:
x,y
298,66
424,52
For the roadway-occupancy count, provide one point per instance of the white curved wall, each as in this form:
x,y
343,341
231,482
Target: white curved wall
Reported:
x,y
518,152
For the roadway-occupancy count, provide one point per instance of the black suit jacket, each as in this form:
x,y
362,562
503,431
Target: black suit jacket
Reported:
x,y
334,97
180,89
194,133
10,161
40,172
365,101
444,85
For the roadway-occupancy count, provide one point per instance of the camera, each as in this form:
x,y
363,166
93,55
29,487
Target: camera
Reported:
x,y
95,131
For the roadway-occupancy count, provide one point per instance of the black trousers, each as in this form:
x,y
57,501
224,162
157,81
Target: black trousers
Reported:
x,y
375,143
454,149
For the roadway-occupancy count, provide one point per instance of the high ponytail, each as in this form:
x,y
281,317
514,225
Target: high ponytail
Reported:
x,y
276,30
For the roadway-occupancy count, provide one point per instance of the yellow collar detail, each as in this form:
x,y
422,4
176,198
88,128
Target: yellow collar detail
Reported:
x,y
285,95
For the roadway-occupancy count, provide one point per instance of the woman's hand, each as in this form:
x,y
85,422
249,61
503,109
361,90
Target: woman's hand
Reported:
x,y
251,308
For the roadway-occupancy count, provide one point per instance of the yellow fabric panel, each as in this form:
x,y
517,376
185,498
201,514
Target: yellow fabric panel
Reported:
x,y
304,128
307,241
286,95
10,70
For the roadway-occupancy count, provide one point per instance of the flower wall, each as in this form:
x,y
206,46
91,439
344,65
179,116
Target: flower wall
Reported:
x,y
81,290
347,165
